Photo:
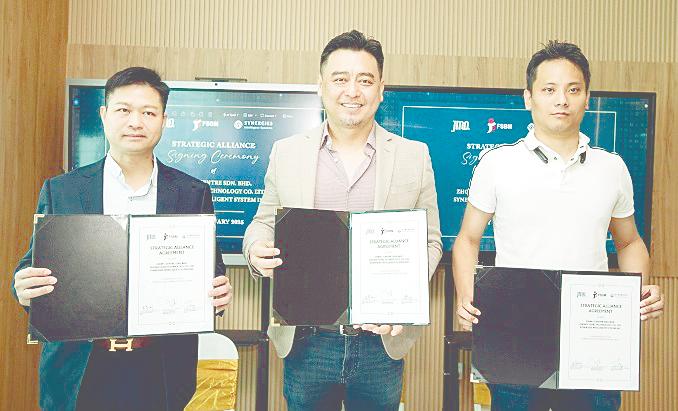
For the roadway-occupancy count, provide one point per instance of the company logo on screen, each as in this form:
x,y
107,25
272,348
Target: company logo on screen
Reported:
x,y
237,124
460,125
257,125
493,126
169,123
197,123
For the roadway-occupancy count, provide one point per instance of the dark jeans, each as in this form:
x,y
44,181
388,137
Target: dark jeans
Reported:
x,y
523,398
325,368
123,381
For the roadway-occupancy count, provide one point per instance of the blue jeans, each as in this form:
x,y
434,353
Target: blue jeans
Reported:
x,y
325,368
523,398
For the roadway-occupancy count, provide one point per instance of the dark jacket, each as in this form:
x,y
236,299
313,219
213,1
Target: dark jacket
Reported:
x,y
63,364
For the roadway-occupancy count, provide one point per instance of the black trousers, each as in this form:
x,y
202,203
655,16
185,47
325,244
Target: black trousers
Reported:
x,y
123,381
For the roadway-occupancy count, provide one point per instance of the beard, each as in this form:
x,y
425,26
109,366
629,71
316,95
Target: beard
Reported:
x,y
351,122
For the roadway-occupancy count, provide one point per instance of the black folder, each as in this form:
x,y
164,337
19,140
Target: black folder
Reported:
x,y
517,338
316,283
88,256
311,287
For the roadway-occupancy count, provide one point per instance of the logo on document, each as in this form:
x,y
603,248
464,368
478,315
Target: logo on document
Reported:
x,y
460,125
493,126
197,123
165,236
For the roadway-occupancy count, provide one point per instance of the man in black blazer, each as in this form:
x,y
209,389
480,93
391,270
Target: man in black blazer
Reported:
x,y
160,372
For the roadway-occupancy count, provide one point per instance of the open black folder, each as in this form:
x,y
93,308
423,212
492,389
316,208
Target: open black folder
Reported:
x,y
312,285
347,268
556,328
89,256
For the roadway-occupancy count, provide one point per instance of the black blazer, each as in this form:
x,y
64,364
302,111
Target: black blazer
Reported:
x,y
63,364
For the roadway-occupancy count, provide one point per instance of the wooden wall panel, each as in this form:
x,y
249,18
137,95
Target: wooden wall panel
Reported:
x,y
276,402
32,70
665,193
659,358
622,30
423,375
244,313
247,379
99,61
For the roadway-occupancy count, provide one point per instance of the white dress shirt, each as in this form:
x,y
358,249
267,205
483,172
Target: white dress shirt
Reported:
x,y
120,198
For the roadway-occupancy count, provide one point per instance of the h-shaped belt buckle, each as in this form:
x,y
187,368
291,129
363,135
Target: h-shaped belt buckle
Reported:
x,y
126,345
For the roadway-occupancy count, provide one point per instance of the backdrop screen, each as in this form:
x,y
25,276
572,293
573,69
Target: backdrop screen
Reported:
x,y
223,134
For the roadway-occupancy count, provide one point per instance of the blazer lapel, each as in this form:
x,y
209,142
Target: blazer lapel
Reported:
x,y
308,165
92,189
168,192
385,161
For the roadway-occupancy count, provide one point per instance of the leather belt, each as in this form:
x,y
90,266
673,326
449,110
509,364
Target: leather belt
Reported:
x,y
346,330
123,344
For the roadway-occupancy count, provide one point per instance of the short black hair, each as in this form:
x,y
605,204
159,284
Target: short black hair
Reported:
x,y
557,50
354,40
137,75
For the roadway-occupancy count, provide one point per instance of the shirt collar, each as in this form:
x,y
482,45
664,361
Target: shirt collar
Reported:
x,y
327,141
532,142
112,169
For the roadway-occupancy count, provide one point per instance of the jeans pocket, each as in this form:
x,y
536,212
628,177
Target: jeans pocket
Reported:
x,y
508,397
606,400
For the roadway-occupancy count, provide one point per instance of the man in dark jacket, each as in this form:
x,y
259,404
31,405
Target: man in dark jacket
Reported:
x,y
160,372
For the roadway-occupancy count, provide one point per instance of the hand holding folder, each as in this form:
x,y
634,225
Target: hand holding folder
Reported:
x,y
264,257
32,282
